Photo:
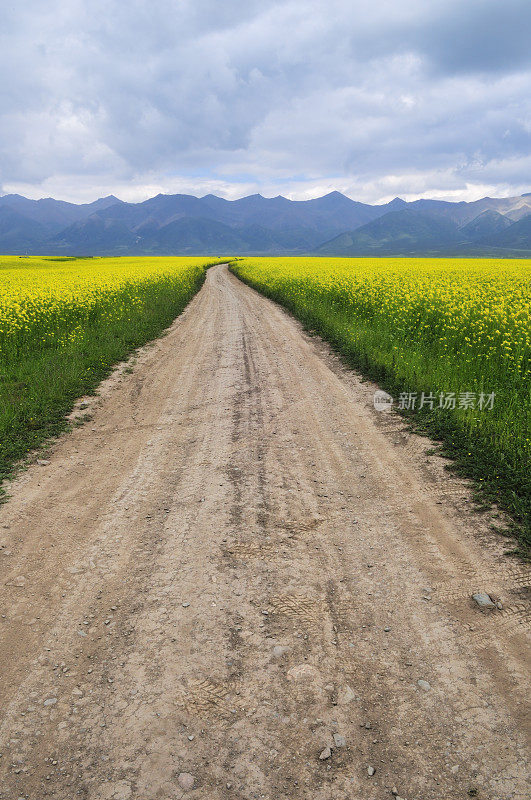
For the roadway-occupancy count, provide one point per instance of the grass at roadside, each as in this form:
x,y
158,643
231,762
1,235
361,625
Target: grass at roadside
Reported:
x,y
448,328
65,322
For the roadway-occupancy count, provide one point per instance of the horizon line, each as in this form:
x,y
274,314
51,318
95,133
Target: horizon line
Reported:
x,y
258,194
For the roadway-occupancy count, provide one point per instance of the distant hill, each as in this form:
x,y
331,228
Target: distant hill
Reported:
x,y
95,236
54,215
488,223
517,236
403,232
18,233
187,235
333,225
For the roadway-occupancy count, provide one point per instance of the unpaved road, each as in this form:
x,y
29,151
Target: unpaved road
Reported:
x,y
238,558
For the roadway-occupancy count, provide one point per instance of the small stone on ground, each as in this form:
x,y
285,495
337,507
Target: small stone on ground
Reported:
x,y
483,600
186,780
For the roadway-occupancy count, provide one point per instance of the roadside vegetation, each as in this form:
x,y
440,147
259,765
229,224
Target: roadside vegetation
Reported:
x,y
449,339
64,322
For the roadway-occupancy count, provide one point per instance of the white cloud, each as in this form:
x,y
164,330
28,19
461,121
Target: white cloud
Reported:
x,y
296,97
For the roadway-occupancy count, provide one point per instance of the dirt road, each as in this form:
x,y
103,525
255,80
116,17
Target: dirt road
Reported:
x,y
238,564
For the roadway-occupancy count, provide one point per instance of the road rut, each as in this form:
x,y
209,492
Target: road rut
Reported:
x,y
237,564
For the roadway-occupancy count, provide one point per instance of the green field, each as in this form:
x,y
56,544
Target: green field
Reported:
x,y
65,322
457,330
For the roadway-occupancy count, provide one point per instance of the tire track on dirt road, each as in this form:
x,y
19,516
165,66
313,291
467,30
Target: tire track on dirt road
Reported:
x,y
238,567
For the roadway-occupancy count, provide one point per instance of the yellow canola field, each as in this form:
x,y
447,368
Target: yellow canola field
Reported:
x,y
47,301
469,308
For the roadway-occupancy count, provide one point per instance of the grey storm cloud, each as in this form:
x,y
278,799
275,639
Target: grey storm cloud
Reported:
x,y
369,96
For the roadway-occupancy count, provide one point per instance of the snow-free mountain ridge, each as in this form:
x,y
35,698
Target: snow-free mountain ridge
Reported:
x,y
334,224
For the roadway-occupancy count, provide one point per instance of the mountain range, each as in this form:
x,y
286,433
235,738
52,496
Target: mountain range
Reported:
x,y
331,225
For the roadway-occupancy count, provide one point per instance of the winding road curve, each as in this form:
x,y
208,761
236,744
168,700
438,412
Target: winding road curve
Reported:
x,y
238,564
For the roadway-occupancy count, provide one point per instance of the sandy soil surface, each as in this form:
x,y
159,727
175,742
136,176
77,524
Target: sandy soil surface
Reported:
x,y
238,580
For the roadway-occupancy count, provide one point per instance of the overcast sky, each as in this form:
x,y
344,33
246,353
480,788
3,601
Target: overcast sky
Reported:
x,y
375,98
